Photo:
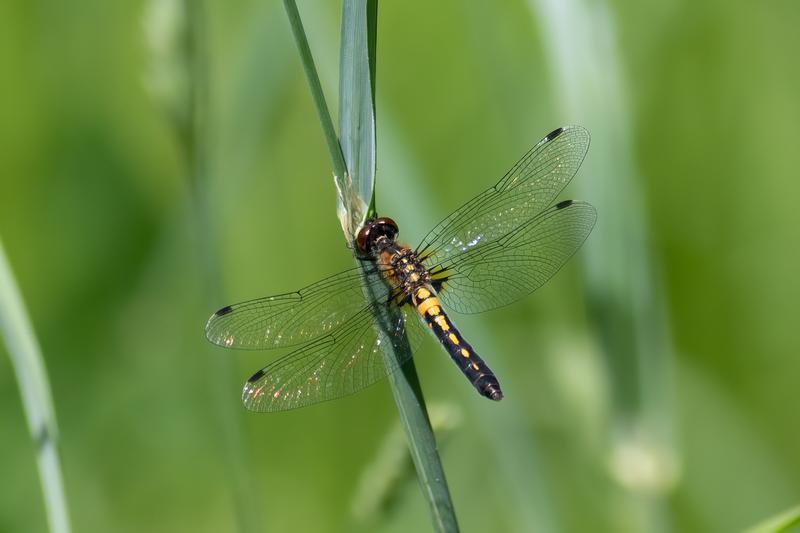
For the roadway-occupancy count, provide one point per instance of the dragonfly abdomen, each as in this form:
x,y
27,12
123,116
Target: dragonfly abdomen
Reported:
x,y
476,370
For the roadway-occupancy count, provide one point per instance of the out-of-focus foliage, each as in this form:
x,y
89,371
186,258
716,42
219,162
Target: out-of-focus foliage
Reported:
x,y
96,221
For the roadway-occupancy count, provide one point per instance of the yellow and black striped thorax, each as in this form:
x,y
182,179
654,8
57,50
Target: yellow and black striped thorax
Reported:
x,y
406,269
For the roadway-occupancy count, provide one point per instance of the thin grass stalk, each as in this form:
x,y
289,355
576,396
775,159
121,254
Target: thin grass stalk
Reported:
x,y
34,387
199,154
357,132
332,141
357,74
624,290
518,459
780,523
357,147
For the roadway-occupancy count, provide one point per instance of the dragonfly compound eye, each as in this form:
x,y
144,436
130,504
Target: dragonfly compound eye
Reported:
x,y
373,230
386,227
363,237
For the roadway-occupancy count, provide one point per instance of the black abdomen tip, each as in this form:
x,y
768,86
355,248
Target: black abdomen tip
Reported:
x,y
491,389
494,394
224,311
553,134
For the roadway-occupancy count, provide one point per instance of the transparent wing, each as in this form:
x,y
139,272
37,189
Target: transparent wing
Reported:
x,y
345,361
504,270
525,191
289,319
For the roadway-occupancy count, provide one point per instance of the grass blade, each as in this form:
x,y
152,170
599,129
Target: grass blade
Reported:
x,y
357,101
625,293
414,418
339,167
351,209
357,130
357,153
383,479
34,386
177,32
779,523
200,150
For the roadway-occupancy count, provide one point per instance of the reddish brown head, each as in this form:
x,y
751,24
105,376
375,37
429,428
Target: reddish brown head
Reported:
x,y
376,235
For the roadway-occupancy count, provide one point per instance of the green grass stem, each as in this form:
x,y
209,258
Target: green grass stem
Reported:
x,y
778,523
26,358
199,151
356,190
339,166
357,131
357,101
625,293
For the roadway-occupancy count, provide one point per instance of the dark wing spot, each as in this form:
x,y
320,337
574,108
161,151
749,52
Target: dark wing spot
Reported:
x,y
255,377
224,311
553,134
563,204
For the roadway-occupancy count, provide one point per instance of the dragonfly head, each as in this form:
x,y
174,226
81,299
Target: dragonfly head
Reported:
x,y
376,235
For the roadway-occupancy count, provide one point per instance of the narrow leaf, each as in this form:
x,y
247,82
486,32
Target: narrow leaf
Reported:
x,y
778,523
34,387
357,131
357,111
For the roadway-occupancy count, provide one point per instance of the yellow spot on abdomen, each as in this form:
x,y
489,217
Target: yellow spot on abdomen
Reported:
x,y
428,305
464,352
441,321
423,293
474,366
453,338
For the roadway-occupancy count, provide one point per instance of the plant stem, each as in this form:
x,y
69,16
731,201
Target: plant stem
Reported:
x,y
34,386
357,103
413,414
357,153
625,293
199,152
339,167
357,131
779,523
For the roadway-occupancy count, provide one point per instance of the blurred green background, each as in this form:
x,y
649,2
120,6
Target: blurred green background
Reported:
x,y
651,386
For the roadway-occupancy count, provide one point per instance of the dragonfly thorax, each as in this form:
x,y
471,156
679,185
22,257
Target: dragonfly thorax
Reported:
x,y
406,269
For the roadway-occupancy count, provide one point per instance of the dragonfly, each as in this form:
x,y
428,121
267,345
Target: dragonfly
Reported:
x,y
496,248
